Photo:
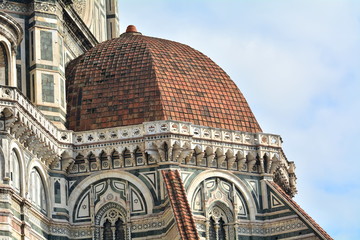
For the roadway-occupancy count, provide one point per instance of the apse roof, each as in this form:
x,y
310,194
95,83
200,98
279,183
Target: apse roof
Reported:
x,y
135,78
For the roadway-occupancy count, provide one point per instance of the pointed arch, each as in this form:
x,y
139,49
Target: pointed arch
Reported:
x,y
57,192
78,190
120,229
222,231
212,230
107,234
110,222
239,184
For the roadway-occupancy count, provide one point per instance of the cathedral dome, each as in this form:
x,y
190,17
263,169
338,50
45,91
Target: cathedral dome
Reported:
x,y
134,79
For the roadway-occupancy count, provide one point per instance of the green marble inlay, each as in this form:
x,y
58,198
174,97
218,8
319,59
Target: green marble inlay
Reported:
x,y
18,76
61,51
5,233
44,24
46,45
47,67
47,87
63,210
52,109
54,118
62,92
18,53
44,15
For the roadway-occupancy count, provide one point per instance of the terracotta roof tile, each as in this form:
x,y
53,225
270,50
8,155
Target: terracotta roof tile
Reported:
x,y
134,79
297,208
180,205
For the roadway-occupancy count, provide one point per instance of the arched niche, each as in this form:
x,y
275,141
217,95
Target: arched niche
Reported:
x,y
81,191
238,183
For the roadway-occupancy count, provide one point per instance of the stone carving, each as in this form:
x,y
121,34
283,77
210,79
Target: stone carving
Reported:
x,y
79,6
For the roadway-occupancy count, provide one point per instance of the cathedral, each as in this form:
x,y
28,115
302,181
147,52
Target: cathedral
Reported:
x,y
125,136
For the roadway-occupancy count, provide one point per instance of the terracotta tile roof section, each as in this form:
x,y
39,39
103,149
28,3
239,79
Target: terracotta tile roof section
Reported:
x,y
180,205
134,79
298,209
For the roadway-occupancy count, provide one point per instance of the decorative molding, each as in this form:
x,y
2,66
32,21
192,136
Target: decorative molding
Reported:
x,y
275,202
270,229
11,29
14,7
160,141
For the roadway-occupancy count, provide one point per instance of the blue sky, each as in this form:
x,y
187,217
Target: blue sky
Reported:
x,y
298,65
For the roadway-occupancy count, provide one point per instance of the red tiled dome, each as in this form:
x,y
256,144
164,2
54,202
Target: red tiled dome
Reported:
x,y
134,79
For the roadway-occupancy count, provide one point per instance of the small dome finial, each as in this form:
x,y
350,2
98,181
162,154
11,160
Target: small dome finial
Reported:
x,y
131,29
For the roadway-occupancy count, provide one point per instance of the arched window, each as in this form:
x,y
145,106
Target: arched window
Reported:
x,y
119,230
14,171
223,205
57,192
4,75
212,230
37,191
222,233
108,234
113,226
217,223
